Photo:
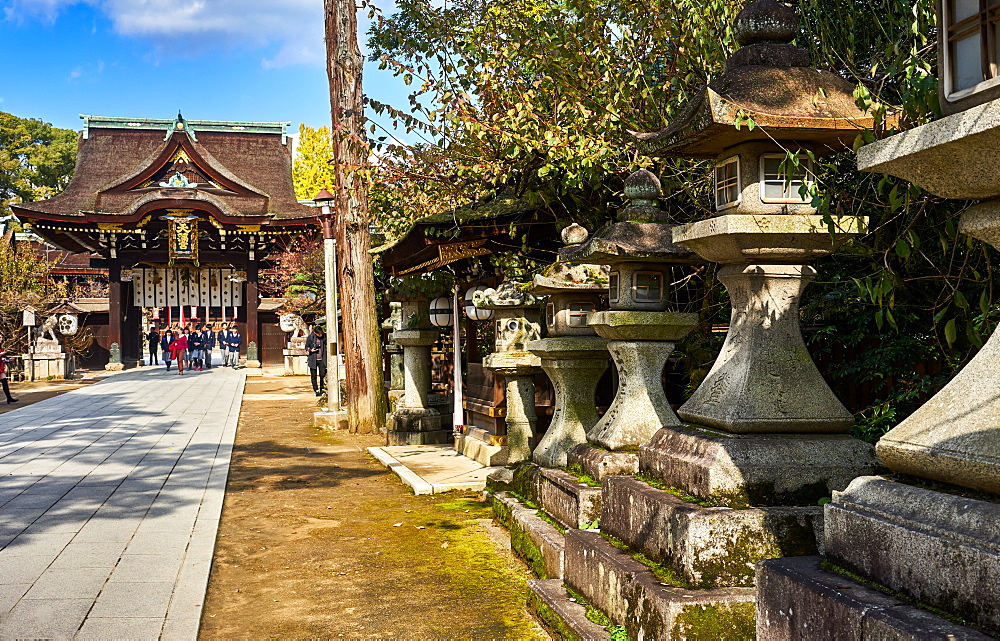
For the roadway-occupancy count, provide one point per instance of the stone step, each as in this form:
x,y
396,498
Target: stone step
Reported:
x,y
566,619
797,599
477,445
437,437
630,594
600,463
540,544
557,492
710,547
564,498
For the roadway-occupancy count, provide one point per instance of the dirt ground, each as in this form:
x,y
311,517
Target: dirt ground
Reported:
x,y
318,540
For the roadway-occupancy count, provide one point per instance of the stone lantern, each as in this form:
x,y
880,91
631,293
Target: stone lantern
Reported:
x,y
766,231
414,422
517,318
573,356
929,531
643,323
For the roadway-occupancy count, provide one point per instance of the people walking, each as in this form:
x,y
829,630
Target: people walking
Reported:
x,y
179,348
316,349
207,345
3,374
234,340
165,342
153,341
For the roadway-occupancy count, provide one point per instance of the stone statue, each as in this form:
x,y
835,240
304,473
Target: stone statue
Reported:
x,y
293,323
48,327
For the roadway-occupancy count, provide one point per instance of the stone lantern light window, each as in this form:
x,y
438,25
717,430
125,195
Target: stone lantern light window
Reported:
x,y
613,279
550,314
780,182
971,54
578,313
647,287
727,183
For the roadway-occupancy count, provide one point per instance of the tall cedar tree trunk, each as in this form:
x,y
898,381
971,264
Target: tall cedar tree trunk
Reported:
x,y
365,398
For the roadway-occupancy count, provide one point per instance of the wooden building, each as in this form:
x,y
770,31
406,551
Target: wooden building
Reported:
x,y
182,214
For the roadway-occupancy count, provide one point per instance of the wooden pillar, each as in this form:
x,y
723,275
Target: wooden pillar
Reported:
x,y
115,316
251,300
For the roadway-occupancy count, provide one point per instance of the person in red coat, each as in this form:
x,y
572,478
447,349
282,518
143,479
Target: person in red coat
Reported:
x,y
178,349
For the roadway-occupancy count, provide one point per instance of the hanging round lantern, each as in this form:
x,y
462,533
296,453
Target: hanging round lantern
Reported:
x,y
473,312
440,312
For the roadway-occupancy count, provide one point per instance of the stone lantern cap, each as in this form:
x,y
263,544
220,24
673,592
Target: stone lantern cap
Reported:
x,y
769,80
507,295
561,278
644,233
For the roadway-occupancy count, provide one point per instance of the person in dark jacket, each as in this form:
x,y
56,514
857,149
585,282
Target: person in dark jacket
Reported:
x,y
153,339
168,338
234,340
208,344
316,349
195,349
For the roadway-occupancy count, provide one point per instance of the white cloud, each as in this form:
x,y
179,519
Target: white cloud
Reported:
x,y
190,28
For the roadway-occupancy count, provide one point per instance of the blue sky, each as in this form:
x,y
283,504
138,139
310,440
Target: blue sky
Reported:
x,y
256,60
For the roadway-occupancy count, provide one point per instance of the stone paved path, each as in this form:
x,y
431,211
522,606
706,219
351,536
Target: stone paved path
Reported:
x,y
110,498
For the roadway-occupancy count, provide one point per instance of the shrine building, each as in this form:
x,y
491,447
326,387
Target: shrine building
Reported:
x,y
183,214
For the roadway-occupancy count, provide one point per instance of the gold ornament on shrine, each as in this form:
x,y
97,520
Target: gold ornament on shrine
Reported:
x,y
182,235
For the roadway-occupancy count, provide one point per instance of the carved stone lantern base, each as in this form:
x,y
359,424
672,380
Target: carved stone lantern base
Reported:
x,y
574,364
641,343
518,370
764,380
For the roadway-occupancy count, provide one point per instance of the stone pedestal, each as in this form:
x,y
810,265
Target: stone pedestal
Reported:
x,y
574,364
764,380
641,343
46,364
296,358
518,370
414,422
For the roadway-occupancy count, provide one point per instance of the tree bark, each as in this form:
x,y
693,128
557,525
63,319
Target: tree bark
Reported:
x,y
365,393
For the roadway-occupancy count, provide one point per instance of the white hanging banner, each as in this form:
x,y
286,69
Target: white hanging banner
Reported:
x,y
174,286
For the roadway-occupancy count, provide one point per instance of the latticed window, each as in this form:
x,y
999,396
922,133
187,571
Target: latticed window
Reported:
x,y
613,287
727,183
972,43
578,314
781,180
647,287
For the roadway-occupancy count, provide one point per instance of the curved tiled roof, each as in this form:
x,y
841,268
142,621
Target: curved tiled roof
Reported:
x,y
252,164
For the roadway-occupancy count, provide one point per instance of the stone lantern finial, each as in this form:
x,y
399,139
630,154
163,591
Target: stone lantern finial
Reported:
x,y
765,30
574,234
642,188
766,21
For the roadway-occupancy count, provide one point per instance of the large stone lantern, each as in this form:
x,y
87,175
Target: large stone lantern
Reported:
x,y
414,422
517,322
644,321
929,531
573,356
766,232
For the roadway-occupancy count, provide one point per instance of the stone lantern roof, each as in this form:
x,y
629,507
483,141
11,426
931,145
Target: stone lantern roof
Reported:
x,y
561,278
644,232
768,80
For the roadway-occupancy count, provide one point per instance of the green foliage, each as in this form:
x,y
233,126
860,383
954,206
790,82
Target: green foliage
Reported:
x,y
538,98
36,160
